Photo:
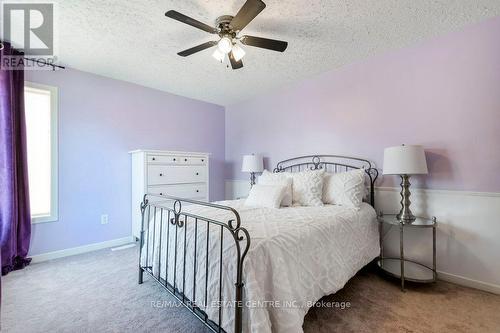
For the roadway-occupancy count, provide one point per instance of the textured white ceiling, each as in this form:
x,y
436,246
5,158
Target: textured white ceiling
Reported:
x,y
133,40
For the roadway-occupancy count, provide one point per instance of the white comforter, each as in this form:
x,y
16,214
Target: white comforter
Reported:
x,y
297,255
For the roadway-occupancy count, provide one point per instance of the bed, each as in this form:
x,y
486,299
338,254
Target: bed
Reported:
x,y
247,269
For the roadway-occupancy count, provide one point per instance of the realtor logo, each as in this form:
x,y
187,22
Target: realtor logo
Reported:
x,y
29,27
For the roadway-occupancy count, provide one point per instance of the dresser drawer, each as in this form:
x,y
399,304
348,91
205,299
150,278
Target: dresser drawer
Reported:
x,y
190,160
163,159
167,205
181,190
164,202
175,160
171,174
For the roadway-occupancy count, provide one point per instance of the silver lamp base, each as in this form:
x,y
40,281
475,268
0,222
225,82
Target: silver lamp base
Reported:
x,y
405,215
252,179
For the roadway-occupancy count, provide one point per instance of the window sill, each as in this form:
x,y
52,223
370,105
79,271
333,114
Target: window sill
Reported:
x,y
44,219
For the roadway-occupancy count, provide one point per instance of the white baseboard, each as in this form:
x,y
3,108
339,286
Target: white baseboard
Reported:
x,y
466,282
81,249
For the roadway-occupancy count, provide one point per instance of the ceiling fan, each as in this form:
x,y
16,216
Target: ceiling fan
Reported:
x,y
227,28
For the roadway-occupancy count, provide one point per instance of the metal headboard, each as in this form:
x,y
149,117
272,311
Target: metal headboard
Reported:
x,y
331,163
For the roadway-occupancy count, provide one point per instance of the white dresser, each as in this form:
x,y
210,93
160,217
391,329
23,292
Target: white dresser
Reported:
x,y
180,174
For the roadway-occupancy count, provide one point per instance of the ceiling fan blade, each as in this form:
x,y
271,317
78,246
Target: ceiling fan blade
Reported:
x,y
246,14
265,43
197,48
192,22
235,64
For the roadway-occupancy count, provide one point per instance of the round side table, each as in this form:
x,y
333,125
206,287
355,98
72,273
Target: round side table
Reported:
x,y
400,267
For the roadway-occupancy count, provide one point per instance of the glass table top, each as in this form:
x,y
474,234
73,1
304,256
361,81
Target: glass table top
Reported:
x,y
422,222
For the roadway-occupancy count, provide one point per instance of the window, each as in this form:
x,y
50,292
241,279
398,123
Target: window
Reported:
x,y
40,103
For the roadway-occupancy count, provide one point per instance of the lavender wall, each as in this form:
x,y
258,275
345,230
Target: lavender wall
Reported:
x,y
443,94
100,120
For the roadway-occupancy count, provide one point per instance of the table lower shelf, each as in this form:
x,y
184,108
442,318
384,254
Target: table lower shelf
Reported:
x,y
413,271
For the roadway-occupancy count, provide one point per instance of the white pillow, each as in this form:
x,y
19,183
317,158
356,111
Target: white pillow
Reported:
x,y
308,187
269,196
345,188
279,178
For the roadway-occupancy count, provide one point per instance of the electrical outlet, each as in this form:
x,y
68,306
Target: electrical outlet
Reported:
x,y
104,219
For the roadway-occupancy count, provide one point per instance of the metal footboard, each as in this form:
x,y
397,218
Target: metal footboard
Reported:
x,y
175,220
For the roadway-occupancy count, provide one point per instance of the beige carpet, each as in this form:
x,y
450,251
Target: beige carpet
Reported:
x,y
98,292
378,305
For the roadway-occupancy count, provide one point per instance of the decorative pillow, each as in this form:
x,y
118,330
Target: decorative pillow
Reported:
x,y
280,178
269,196
308,187
345,188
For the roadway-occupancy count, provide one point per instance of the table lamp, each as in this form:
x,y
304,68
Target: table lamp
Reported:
x,y
405,161
252,163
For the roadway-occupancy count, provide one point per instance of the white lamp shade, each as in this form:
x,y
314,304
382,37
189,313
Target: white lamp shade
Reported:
x,y
252,163
405,160
218,55
238,52
225,45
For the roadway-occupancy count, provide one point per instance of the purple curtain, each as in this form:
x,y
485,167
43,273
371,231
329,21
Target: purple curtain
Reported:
x,y
15,217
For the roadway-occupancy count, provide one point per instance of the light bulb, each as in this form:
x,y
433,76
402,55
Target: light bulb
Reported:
x,y
238,52
225,45
218,55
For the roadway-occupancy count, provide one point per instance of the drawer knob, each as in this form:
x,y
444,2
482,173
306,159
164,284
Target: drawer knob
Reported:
x,y
197,173
161,193
153,159
202,160
197,191
185,160
161,174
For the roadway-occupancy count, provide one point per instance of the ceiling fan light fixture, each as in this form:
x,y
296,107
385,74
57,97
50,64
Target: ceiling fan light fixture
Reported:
x,y
227,28
225,45
218,55
238,52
